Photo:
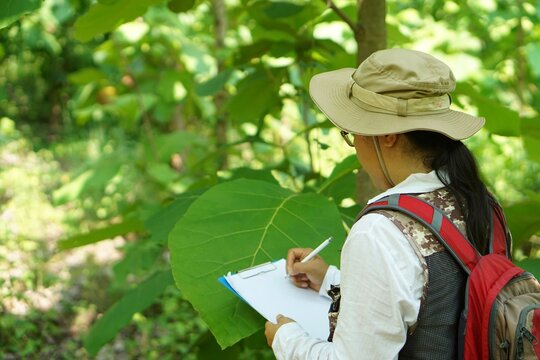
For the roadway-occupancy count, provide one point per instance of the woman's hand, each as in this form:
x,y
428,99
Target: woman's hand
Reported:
x,y
308,275
270,328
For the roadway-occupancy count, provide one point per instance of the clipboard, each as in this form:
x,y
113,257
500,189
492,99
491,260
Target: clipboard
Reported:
x,y
266,289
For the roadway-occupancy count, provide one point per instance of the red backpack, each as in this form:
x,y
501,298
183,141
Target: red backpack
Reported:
x,y
501,318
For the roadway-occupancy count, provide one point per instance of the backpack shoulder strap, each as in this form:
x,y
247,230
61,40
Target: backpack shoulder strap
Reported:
x,y
500,238
434,219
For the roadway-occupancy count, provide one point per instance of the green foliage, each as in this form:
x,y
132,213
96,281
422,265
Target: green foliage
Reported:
x,y
236,225
153,118
531,265
523,220
338,184
178,6
500,119
106,16
261,91
120,314
11,10
109,232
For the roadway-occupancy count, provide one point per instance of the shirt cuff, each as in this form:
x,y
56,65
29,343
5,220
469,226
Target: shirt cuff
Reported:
x,y
332,277
284,334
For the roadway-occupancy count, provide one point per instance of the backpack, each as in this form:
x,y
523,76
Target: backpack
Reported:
x,y
501,317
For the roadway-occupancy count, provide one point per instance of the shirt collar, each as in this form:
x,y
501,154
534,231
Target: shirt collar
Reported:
x,y
416,183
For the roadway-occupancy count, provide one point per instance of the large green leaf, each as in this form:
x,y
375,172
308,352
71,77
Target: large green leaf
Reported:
x,y
532,146
500,119
523,219
102,18
530,128
162,222
235,225
12,10
120,314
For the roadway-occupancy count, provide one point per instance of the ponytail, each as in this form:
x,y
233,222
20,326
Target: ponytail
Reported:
x,y
456,167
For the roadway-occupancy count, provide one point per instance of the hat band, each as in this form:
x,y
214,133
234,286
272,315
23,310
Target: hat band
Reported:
x,y
371,101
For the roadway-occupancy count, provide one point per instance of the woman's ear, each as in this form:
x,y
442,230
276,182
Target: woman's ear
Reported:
x,y
389,140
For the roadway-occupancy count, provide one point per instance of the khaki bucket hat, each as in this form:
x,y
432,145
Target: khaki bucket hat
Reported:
x,y
393,91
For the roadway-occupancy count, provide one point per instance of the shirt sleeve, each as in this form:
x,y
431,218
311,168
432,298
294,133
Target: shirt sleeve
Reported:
x,y
381,286
332,277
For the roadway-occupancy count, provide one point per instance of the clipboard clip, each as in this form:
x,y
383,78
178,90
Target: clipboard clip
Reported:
x,y
256,270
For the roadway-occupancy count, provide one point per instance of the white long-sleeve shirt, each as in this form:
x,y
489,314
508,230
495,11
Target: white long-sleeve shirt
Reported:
x,y
381,283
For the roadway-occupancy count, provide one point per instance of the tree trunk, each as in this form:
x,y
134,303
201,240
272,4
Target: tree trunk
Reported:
x,y
220,29
370,36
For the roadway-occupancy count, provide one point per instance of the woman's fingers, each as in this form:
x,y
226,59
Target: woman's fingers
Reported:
x,y
295,255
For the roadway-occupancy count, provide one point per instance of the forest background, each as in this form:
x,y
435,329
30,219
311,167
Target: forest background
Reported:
x,y
150,143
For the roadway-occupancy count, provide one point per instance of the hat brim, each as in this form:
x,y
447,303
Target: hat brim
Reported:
x,y
329,91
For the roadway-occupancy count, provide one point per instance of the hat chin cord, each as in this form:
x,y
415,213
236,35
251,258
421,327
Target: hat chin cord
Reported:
x,y
381,161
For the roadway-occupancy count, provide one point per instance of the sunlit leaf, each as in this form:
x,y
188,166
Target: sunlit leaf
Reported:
x,y
500,119
86,75
523,219
235,225
128,108
341,170
120,314
94,179
533,58
213,85
102,18
170,87
162,173
176,142
395,36
12,10
105,233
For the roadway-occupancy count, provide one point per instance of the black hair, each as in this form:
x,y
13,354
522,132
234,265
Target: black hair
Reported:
x,y
456,167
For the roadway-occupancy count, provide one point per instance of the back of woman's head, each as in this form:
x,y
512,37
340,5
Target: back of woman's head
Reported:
x,y
456,168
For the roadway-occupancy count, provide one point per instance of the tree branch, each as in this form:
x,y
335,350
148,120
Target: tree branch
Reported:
x,y
330,4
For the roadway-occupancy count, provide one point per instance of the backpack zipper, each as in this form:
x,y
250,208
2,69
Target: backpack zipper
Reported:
x,y
493,315
522,331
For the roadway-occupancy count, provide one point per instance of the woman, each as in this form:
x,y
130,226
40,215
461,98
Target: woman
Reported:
x,y
400,292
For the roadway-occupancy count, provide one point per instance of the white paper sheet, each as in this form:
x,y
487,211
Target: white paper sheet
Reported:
x,y
270,293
